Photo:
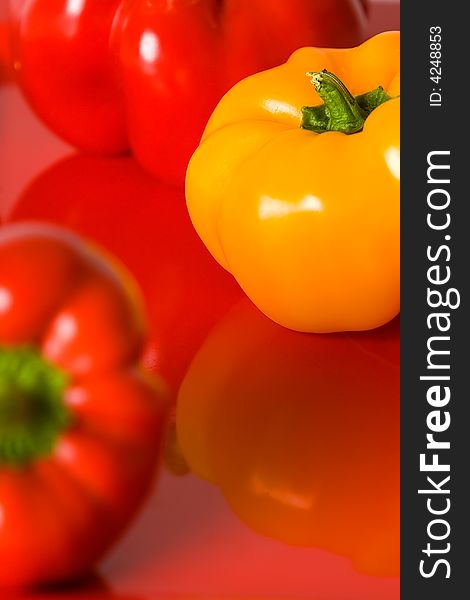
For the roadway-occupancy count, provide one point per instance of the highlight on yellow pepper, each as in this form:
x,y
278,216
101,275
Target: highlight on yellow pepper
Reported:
x,y
295,187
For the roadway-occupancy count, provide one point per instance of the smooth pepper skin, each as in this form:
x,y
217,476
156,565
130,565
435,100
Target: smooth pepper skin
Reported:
x,y
109,75
62,509
65,65
308,223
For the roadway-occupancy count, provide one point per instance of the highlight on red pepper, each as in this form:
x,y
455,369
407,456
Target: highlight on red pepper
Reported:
x,y
144,224
109,75
81,424
66,69
300,433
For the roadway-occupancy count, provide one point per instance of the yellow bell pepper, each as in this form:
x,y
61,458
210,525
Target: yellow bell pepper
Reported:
x,y
301,203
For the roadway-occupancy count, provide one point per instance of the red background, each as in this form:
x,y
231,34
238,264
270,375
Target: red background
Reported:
x,y
186,544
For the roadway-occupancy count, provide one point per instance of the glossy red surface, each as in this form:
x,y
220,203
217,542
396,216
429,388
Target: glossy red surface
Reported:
x,y
144,223
300,433
186,544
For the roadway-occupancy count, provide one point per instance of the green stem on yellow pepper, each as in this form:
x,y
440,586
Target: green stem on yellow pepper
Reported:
x,y
341,111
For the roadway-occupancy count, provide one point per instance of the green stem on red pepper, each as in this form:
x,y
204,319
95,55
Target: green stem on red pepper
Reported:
x,y
341,111
32,413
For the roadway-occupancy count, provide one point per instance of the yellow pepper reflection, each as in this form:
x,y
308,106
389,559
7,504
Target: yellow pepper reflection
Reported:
x,y
301,433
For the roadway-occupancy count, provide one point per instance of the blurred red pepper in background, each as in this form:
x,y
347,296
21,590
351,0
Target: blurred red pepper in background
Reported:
x,y
81,425
6,62
146,225
107,75
301,433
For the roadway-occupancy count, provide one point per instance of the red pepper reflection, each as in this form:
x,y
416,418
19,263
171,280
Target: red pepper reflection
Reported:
x,y
145,224
301,433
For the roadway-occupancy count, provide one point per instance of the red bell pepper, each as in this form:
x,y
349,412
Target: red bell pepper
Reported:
x,y
80,424
65,66
107,75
